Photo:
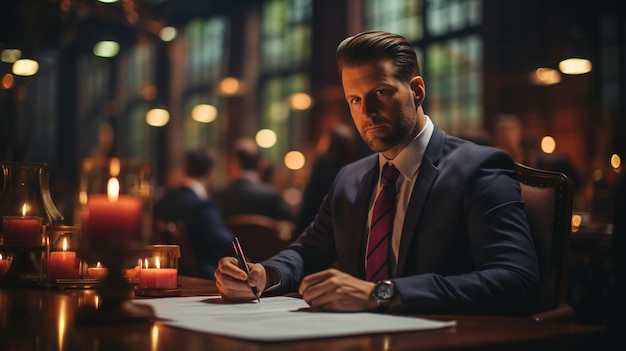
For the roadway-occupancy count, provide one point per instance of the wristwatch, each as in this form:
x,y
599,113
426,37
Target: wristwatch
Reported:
x,y
383,293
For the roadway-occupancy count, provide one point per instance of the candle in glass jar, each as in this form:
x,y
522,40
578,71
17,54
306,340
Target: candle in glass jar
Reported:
x,y
158,277
62,264
22,230
113,216
97,272
5,264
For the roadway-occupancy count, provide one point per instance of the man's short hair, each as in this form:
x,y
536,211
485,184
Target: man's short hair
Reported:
x,y
367,47
199,162
248,154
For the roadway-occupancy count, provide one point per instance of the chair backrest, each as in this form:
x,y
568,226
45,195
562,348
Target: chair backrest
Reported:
x,y
261,237
173,233
548,205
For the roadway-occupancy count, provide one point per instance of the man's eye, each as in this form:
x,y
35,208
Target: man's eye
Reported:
x,y
355,100
380,92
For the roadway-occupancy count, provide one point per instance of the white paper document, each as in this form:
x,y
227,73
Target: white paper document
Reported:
x,y
277,318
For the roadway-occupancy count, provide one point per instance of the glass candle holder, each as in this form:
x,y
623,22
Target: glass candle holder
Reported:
x,y
5,262
26,208
158,273
97,271
114,201
26,192
62,260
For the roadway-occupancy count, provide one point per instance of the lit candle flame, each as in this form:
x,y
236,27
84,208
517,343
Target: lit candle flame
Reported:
x,y
24,210
98,264
64,244
157,262
113,189
145,263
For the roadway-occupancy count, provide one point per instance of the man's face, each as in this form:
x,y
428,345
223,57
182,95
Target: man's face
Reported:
x,y
383,108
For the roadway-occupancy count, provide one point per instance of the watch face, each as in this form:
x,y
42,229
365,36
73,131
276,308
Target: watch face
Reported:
x,y
384,290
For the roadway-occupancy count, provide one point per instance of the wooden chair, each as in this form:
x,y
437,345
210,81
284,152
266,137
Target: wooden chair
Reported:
x,y
548,201
261,237
173,233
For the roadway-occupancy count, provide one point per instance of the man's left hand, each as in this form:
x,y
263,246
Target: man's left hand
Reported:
x,y
333,290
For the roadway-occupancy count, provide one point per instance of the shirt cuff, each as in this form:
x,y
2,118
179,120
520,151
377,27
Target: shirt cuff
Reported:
x,y
273,279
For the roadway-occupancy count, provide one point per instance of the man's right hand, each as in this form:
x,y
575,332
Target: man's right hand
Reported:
x,y
233,283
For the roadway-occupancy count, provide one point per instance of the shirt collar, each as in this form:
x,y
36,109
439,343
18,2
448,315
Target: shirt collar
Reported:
x,y
197,188
410,158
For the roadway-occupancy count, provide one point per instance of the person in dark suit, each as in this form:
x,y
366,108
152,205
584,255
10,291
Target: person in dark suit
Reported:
x,y
191,204
248,193
342,149
460,240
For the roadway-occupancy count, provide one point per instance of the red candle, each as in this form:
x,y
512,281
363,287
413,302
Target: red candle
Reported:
x,y
108,220
62,264
166,278
4,265
97,272
21,230
158,278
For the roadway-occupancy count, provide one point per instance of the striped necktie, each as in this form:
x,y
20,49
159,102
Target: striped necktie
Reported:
x,y
381,229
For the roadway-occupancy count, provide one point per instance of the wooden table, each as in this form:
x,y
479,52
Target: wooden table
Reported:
x,y
44,319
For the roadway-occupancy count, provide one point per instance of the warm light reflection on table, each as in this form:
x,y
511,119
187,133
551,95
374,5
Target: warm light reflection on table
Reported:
x,y
44,319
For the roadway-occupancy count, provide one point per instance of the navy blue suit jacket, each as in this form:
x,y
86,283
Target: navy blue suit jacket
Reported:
x,y
465,246
247,196
204,226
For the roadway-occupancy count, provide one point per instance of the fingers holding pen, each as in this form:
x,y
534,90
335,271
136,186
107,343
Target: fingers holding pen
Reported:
x,y
234,284
258,276
232,281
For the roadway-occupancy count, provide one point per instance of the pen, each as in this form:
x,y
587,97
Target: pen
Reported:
x,y
243,265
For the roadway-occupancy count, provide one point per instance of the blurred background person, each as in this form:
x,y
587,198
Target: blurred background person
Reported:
x,y
341,148
507,136
248,193
192,206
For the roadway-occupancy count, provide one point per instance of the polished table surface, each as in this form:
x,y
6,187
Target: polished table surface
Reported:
x,y
45,319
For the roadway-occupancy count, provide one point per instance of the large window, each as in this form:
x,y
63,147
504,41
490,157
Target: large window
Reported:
x,y
92,96
404,17
446,36
140,79
453,83
286,43
205,67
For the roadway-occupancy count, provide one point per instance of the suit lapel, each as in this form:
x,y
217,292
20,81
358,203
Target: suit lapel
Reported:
x,y
427,175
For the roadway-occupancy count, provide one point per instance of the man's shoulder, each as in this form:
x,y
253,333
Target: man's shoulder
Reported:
x,y
461,154
176,197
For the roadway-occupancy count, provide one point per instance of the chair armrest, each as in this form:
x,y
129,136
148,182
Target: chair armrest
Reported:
x,y
562,313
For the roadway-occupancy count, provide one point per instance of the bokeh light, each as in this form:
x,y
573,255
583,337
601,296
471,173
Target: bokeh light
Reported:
x,y
300,101
204,113
548,144
157,117
265,138
294,160
106,48
25,67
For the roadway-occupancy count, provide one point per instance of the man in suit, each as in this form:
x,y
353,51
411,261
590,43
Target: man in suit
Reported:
x,y
342,148
460,241
248,193
191,204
